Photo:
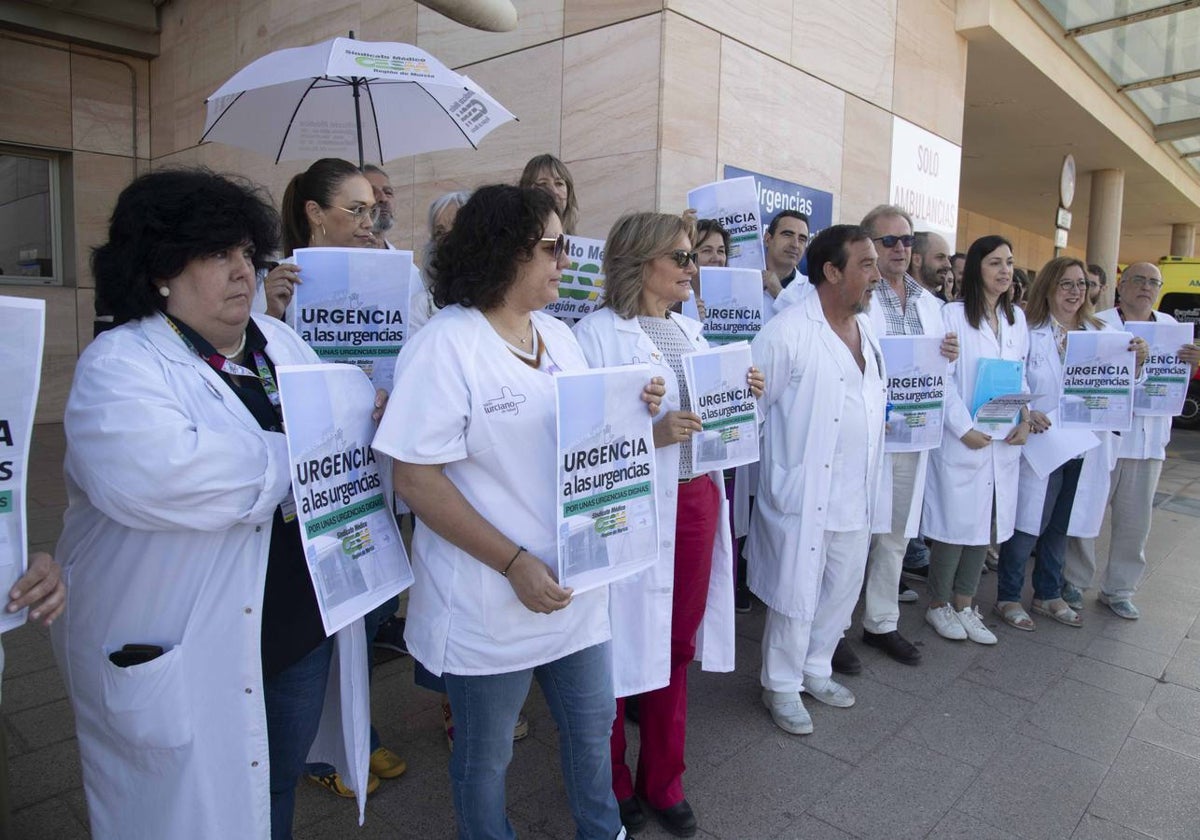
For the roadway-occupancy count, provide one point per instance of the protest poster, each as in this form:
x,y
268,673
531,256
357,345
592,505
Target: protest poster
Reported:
x,y
916,372
353,305
581,288
716,381
733,301
1098,380
351,542
22,336
607,515
734,204
1163,390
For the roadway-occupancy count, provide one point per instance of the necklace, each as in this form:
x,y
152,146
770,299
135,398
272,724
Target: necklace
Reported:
x,y
237,351
509,334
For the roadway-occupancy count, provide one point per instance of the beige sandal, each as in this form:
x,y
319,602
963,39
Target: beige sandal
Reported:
x,y
1014,615
1058,610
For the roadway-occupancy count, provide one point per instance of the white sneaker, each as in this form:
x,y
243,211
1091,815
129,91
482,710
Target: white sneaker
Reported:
x,y
945,621
972,623
828,692
788,712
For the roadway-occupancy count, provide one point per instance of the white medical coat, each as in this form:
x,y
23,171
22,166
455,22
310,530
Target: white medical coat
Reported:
x,y
797,353
640,606
172,486
1148,437
929,310
1044,373
961,482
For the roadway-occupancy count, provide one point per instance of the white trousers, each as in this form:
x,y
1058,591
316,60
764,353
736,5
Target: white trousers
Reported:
x,y
1131,496
882,612
793,648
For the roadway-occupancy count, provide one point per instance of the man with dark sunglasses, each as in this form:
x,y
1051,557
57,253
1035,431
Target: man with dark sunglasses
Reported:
x,y
901,306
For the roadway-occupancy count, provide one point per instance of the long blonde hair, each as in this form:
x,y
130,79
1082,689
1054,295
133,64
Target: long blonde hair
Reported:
x,y
529,176
1044,286
635,239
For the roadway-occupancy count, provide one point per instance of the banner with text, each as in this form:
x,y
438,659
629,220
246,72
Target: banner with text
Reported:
x,y
1098,381
776,194
1164,389
916,372
581,288
22,336
716,381
734,204
352,306
925,178
607,514
351,543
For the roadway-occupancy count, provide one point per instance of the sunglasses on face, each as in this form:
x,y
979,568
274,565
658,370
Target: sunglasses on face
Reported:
x,y
559,244
681,258
891,241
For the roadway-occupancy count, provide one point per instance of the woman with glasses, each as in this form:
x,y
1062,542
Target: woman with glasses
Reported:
x,y
971,483
475,458
648,268
1071,499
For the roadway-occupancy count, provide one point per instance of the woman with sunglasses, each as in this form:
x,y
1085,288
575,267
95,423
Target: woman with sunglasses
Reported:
x,y
1072,498
648,268
475,458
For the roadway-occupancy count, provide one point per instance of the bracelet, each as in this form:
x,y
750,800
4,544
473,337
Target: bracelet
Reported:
x,y
520,548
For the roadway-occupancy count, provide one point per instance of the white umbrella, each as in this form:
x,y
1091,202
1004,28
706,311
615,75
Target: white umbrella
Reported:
x,y
350,99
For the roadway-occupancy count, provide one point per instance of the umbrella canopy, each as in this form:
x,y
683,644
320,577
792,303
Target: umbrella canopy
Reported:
x,y
350,99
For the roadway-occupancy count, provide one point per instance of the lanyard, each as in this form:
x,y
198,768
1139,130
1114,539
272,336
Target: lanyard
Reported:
x,y
230,368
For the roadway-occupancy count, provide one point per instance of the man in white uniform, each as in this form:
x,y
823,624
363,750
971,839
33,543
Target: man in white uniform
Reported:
x,y
385,200
784,243
1140,455
822,453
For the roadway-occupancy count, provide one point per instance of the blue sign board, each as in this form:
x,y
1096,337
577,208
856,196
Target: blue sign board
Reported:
x,y
775,194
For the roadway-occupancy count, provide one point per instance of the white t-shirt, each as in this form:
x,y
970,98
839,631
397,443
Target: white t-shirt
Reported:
x,y
463,399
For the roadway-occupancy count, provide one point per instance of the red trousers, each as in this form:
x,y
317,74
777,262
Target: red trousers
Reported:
x,y
662,714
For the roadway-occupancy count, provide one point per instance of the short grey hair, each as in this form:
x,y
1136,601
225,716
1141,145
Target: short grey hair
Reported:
x,y
457,198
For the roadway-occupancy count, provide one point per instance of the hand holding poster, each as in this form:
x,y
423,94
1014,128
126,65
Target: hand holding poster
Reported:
x,y
581,288
733,300
1098,380
916,372
607,514
353,306
22,335
734,204
351,542
1164,388
716,381
1000,415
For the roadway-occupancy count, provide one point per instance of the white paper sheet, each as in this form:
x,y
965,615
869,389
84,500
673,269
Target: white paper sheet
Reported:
x,y
916,372
1098,381
1047,451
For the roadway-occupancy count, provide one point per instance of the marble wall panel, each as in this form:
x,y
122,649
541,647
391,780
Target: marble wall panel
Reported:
x,y
764,25
538,21
866,159
931,68
582,15
849,45
35,93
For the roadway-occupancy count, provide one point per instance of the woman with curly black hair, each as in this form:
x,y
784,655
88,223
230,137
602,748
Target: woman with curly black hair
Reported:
x,y
194,653
475,452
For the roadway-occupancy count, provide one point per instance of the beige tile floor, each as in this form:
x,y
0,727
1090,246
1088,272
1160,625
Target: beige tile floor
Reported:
x,y
1088,734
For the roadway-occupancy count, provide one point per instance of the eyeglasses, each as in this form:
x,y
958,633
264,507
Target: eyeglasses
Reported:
x,y
361,213
1072,285
681,258
1145,282
906,240
560,245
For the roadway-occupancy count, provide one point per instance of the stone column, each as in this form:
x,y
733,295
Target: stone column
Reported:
x,y
1183,240
1104,226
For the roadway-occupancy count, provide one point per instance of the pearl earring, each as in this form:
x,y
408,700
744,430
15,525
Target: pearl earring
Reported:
x,y
164,291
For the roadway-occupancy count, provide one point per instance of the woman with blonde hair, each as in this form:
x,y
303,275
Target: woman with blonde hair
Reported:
x,y
648,268
549,174
1071,500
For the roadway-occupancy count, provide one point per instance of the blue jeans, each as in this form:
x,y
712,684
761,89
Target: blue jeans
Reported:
x,y
293,698
1051,544
579,691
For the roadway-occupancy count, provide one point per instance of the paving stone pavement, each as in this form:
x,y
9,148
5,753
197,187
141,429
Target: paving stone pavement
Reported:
x,y
1078,734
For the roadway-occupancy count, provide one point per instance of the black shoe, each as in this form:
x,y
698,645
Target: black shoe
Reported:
x,y
390,635
679,819
894,645
632,815
741,600
845,660
920,573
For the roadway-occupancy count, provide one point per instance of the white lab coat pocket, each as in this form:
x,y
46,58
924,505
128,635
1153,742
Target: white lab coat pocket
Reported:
x,y
787,488
147,704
